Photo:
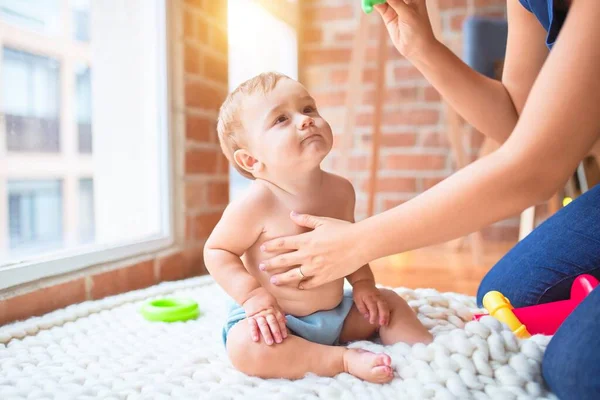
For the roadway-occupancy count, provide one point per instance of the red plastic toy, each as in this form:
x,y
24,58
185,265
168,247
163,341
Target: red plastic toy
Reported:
x,y
539,319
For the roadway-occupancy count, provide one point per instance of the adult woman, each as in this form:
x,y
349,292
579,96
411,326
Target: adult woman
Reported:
x,y
546,112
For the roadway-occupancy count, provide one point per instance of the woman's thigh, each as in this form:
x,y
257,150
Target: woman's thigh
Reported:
x,y
542,267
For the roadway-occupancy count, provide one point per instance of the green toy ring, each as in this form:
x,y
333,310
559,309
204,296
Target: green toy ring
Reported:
x,y
367,5
170,309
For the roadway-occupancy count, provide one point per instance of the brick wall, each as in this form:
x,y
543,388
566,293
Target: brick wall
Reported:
x,y
198,61
415,153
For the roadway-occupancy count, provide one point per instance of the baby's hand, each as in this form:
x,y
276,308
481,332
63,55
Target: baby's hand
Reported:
x,y
371,304
265,317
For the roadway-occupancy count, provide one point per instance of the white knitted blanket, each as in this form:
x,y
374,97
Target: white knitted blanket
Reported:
x,y
105,350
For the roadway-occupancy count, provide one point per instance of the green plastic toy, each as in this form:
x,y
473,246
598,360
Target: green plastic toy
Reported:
x,y
367,5
170,309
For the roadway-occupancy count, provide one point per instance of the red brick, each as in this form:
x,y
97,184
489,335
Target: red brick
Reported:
x,y
216,10
320,14
215,69
393,184
121,280
401,95
391,203
219,40
501,233
431,94
355,163
341,76
189,24
201,95
42,301
435,140
199,128
194,259
393,53
343,36
415,162
428,183
195,195
201,161
173,267
203,225
402,117
406,72
191,63
312,35
398,139
327,56
486,3
218,193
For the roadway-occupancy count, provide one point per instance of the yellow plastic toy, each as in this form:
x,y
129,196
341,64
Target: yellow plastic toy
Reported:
x,y
500,308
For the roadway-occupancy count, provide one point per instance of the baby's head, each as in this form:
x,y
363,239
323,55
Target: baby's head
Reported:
x,y
269,127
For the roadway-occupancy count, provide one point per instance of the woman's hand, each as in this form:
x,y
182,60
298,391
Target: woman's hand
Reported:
x,y
331,251
409,27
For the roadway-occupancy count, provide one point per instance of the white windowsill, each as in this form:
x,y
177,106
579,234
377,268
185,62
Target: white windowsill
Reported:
x,y
69,261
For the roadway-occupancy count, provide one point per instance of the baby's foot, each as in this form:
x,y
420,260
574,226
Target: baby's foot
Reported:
x,y
369,366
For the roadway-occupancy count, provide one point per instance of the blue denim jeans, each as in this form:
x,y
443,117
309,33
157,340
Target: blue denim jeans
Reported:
x,y
541,269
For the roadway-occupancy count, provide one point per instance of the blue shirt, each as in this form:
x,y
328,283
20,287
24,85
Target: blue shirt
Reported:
x,y
550,13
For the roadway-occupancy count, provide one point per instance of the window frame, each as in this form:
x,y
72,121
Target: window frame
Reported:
x,y
84,256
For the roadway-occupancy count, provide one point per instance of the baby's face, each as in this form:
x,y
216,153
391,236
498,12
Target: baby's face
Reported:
x,y
285,131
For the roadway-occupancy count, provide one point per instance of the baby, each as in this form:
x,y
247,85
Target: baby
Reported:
x,y
270,130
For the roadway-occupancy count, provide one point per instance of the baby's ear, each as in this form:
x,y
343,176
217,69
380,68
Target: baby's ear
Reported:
x,y
246,161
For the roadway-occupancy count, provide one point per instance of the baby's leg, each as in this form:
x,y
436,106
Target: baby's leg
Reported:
x,y
404,326
295,357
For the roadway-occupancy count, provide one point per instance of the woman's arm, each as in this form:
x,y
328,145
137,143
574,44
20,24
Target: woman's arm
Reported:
x,y
491,106
559,123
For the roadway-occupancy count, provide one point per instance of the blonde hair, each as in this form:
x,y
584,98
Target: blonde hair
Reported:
x,y
229,126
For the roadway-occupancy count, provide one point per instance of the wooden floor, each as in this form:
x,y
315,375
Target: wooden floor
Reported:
x,y
440,267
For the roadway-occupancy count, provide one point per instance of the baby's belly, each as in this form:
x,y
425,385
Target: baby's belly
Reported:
x,y
304,302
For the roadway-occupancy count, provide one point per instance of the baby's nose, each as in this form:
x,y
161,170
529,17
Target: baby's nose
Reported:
x,y
307,122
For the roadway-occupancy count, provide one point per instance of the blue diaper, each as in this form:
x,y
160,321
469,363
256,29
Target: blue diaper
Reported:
x,y
322,327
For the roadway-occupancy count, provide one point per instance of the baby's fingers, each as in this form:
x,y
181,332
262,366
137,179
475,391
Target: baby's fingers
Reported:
x,y
253,329
264,329
384,312
372,306
274,327
362,309
282,321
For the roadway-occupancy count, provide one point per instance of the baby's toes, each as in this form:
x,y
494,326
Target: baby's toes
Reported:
x,y
383,373
383,359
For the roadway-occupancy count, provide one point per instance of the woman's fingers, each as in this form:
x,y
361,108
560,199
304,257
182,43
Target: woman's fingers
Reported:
x,y
283,243
291,277
284,260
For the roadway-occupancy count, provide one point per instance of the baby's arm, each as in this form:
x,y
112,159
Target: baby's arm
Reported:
x,y
239,228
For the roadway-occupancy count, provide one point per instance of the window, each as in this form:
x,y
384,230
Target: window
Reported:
x,y
83,105
31,101
84,169
34,214
272,46
81,20
86,210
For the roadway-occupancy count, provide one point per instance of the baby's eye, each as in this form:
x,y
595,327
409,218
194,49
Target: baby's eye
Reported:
x,y
309,109
280,119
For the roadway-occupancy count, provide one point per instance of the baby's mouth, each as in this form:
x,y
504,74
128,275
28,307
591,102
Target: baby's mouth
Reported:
x,y
312,135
